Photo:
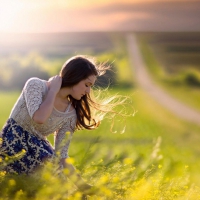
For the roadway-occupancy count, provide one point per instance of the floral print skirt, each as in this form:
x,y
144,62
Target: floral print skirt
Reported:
x,y
31,151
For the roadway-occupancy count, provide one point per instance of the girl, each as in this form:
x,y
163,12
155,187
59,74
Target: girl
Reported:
x,y
61,104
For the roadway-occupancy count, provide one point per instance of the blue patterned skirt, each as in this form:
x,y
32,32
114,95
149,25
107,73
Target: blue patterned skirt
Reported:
x,y
16,140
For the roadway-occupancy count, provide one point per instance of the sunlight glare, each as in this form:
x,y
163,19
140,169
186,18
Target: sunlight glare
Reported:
x,y
9,11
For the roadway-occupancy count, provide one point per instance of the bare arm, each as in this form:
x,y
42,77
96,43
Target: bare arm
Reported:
x,y
45,109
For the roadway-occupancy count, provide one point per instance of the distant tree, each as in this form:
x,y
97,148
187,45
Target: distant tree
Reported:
x,y
14,74
21,76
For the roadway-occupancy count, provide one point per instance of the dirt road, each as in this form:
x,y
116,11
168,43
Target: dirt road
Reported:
x,y
162,97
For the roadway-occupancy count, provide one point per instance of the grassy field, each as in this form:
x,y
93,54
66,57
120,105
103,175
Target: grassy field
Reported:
x,y
175,50
8,99
155,146
155,158
173,61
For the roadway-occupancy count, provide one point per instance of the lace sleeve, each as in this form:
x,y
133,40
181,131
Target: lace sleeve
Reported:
x,y
33,94
63,136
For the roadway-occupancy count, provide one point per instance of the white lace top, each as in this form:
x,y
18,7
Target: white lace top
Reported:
x,y
59,123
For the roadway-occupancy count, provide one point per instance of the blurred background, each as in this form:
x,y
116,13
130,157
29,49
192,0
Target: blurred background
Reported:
x,y
37,37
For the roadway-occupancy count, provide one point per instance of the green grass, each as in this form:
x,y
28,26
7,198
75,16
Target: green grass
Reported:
x,y
8,99
151,160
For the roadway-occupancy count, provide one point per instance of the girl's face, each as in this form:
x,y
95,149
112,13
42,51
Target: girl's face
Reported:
x,y
83,87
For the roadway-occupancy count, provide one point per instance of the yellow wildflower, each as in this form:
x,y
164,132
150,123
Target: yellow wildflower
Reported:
x,y
159,166
128,161
69,160
12,182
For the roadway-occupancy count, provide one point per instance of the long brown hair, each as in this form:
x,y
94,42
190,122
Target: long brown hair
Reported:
x,y
75,70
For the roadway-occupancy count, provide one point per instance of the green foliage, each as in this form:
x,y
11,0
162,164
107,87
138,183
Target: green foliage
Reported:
x,y
191,77
15,70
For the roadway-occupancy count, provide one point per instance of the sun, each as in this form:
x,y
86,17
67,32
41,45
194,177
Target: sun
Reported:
x,y
9,12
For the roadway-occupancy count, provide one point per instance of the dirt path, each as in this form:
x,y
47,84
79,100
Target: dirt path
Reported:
x,y
144,80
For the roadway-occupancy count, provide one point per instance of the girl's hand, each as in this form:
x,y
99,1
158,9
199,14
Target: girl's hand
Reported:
x,y
55,83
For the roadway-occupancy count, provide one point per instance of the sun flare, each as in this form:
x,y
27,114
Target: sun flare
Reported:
x,y
9,14
27,16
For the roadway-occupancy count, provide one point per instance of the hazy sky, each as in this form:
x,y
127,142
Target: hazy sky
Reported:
x,y
101,15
